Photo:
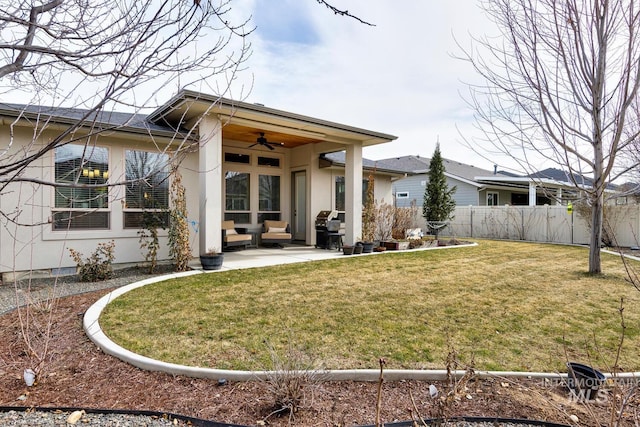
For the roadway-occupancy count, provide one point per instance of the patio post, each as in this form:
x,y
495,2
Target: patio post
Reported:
x,y
353,193
532,193
210,178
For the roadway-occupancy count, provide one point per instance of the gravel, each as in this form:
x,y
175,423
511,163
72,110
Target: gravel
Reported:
x,y
41,289
59,418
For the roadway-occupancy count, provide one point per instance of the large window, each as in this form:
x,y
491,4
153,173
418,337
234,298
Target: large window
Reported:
x,y
252,187
81,202
269,198
237,197
147,189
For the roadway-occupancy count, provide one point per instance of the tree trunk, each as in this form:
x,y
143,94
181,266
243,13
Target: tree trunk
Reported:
x,y
596,233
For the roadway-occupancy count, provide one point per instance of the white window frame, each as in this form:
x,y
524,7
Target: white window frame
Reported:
x,y
493,195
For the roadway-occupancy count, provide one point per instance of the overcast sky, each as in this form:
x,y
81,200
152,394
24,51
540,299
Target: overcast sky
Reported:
x,y
398,77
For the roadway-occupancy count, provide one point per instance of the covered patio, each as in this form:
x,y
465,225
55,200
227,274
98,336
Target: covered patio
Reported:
x,y
257,163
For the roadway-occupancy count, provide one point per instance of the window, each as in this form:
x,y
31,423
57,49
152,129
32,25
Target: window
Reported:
x,y
237,195
402,195
341,193
147,191
492,199
237,158
269,161
81,208
269,197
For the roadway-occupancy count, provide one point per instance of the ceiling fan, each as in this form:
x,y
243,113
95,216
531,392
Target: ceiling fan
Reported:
x,y
263,141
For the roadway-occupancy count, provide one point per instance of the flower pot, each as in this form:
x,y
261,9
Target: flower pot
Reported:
x,y
211,261
390,245
584,381
367,247
357,249
347,250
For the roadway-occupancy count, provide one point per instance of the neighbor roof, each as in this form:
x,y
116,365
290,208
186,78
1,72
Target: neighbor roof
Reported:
x,y
418,164
338,158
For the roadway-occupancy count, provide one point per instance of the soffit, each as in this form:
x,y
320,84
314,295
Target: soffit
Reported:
x,y
244,122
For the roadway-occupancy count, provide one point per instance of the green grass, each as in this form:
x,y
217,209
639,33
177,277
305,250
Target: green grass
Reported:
x,y
506,305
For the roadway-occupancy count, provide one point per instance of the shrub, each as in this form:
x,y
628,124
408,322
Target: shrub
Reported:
x,y
291,377
149,240
179,247
98,266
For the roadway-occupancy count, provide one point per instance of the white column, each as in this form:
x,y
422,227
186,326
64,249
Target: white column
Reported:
x,y
210,179
532,194
353,194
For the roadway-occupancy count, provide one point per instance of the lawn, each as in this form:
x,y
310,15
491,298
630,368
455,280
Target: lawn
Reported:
x,y
503,305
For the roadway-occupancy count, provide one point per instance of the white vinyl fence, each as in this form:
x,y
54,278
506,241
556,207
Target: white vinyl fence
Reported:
x,y
553,224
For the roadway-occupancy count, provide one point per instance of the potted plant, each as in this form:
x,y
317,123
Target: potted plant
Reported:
x,y
347,249
212,259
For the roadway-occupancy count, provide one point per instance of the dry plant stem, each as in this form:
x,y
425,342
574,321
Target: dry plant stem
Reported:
x,y
35,330
617,389
415,413
379,399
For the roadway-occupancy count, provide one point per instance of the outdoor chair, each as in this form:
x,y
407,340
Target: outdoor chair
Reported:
x,y
234,237
275,233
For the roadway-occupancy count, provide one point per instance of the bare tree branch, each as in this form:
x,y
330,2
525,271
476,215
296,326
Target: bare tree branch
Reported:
x,y
558,86
343,12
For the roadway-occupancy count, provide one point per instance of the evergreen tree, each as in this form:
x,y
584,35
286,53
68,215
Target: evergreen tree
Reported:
x,y
438,202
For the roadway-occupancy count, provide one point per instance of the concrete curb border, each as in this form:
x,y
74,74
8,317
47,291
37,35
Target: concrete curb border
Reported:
x,y
94,332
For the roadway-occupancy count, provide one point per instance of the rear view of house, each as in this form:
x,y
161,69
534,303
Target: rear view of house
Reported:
x,y
239,161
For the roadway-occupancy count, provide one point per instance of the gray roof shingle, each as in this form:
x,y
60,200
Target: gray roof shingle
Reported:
x,y
132,121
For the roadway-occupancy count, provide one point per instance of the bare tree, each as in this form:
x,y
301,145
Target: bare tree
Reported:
x,y
559,85
90,57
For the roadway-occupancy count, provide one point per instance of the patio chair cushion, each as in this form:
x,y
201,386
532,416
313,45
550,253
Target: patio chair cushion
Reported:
x,y
276,232
231,237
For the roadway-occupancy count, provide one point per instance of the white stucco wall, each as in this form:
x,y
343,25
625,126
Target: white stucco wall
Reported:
x,y
35,247
39,247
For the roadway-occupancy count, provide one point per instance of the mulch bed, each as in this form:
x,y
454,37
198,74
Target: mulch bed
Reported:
x,y
78,374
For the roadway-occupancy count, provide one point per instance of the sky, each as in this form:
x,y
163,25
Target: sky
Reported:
x,y
399,77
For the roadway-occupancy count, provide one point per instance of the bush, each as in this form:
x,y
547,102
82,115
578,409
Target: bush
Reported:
x,y
98,266
291,376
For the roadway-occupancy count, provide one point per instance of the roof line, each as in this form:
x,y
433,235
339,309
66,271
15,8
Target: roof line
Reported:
x,y
186,94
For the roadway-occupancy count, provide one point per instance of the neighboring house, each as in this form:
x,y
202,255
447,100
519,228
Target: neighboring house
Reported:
x,y
411,188
481,187
229,173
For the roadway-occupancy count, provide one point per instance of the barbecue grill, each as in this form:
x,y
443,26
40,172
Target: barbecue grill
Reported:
x,y
328,230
